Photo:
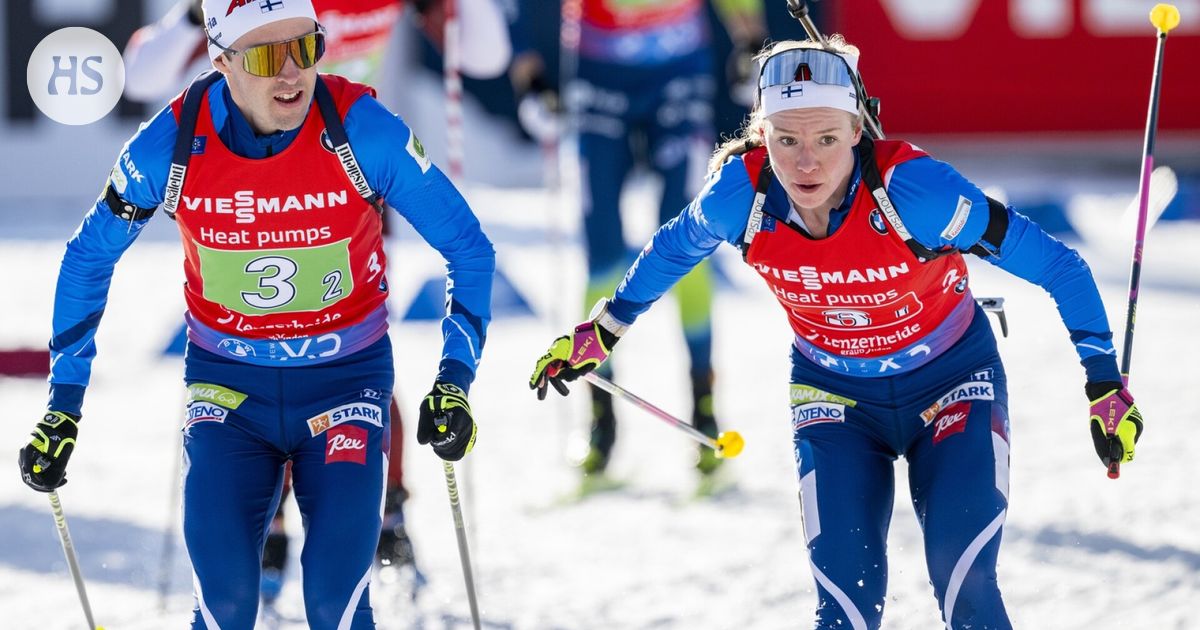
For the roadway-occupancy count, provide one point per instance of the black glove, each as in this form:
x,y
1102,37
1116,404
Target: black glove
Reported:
x,y
43,461
445,422
741,73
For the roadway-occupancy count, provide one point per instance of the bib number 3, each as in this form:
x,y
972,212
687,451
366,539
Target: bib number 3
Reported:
x,y
274,286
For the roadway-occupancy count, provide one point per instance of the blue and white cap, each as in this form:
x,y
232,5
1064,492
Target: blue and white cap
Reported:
x,y
227,20
802,78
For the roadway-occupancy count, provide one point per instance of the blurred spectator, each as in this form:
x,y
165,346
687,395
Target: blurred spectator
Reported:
x,y
642,90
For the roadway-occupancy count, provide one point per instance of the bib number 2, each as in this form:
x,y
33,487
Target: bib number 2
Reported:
x,y
277,281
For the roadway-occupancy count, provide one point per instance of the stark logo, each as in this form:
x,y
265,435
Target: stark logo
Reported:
x,y
362,412
971,390
319,424
952,420
346,444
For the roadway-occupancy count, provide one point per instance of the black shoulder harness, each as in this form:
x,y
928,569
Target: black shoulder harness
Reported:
x,y
757,208
871,178
987,246
187,130
874,182
179,156
341,145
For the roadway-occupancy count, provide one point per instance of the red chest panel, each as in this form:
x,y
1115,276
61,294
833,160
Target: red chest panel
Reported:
x,y
635,14
282,246
860,292
357,27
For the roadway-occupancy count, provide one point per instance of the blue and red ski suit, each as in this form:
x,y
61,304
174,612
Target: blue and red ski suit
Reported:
x,y
891,357
288,356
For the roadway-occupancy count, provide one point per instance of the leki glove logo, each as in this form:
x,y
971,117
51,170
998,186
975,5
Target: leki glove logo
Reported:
x,y
75,76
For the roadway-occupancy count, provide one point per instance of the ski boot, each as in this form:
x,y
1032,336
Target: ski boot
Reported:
x,y
603,435
274,562
397,562
395,547
705,422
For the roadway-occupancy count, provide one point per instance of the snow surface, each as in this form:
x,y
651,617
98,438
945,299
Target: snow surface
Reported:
x,y
1080,551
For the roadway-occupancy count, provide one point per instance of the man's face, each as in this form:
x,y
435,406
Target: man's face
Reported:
x,y
277,103
812,153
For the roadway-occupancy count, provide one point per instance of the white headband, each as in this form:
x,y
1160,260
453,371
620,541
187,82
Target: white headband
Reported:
x,y
227,20
809,94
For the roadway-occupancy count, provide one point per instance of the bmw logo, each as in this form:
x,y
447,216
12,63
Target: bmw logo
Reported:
x,y
877,222
236,347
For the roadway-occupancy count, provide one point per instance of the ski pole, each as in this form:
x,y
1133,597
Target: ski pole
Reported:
x,y
64,536
1164,17
799,10
460,530
166,562
452,82
728,444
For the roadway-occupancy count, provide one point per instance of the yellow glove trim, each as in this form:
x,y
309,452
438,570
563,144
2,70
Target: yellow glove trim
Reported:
x,y
560,350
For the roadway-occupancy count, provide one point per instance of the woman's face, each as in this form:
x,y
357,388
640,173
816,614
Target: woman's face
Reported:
x,y
812,154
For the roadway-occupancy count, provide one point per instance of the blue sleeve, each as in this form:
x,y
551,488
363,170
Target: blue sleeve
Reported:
x,y
397,167
941,208
719,213
140,174
1029,252
85,273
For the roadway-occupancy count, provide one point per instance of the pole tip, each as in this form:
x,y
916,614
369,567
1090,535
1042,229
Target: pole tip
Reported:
x,y
1164,17
729,444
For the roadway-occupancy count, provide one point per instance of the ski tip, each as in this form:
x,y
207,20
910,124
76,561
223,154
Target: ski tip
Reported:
x,y
1114,470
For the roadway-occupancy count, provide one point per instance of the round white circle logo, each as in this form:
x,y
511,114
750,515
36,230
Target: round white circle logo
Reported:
x,y
75,75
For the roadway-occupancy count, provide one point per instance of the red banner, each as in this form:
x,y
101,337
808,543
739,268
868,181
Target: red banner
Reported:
x,y
980,66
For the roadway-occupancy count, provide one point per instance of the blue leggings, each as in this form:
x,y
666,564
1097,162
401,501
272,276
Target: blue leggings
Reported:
x,y
949,419
331,421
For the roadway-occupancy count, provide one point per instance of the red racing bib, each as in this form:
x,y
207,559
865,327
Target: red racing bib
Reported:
x,y
638,14
283,246
860,292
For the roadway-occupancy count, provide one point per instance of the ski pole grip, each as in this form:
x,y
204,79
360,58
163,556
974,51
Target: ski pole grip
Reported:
x,y
1116,451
